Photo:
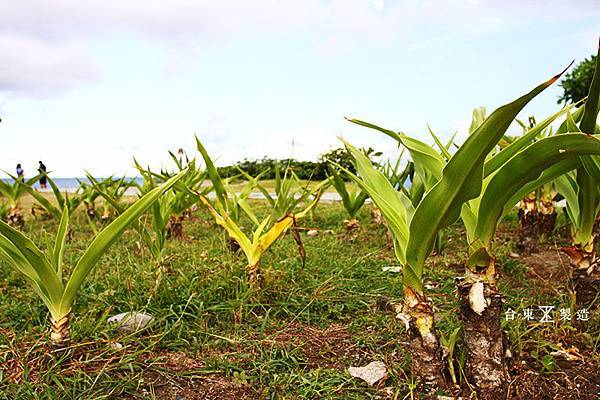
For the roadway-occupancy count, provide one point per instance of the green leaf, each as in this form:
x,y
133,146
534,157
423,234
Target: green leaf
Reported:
x,y
383,194
461,181
566,185
213,175
590,114
477,119
443,149
108,236
59,244
31,259
525,167
588,125
589,200
428,162
523,141
44,202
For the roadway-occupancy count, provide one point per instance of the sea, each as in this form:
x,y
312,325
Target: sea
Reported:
x,y
71,184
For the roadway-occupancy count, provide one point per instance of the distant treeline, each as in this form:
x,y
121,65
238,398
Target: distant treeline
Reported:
x,y
304,169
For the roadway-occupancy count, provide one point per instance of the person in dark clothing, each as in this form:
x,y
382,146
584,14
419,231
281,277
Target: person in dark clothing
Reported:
x,y
43,180
20,172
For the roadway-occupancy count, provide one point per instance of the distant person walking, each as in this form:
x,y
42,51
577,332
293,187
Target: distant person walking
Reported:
x,y
43,180
20,173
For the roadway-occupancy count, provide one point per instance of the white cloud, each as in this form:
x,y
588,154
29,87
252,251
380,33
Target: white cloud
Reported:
x,y
45,45
32,66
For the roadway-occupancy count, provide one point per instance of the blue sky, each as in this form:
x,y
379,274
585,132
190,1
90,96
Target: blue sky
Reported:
x,y
89,85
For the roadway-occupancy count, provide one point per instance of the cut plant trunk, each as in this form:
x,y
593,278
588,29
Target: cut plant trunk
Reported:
x,y
175,227
15,218
60,333
379,220
547,214
40,212
254,275
351,224
528,224
427,359
481,313
376,215
585,276
90,210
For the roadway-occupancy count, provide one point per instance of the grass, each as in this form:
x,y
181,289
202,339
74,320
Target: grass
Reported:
x,y
269,184
215,338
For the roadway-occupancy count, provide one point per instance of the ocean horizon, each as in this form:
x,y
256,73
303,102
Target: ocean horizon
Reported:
x,y
71,184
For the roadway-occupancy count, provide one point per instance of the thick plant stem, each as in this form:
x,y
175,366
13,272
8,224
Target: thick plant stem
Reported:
x,y
15,218
60,333
175,227
428,364
254,276
351,224
547,218
90,210
379,220
585,275
481,313
528,221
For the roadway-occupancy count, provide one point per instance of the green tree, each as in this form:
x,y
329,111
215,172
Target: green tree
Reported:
x,y
576,84
342,157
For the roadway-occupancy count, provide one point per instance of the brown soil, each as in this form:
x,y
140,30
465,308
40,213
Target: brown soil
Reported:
x,y
579,380
331,347
213,387
176,379
549,268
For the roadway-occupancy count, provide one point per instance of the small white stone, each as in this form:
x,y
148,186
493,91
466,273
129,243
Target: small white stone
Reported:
x,y
116,346
130,321
371,373
312,232
392,269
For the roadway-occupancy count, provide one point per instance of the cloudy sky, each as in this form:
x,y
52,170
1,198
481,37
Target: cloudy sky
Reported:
x,y
89,85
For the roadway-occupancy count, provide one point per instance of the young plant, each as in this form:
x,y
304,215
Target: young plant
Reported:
x,y
537,214
581,191
262,238
486,365
44,269
89,195
63,200
114,189
353,200
169,210
176,204
13,191
289,191
452,189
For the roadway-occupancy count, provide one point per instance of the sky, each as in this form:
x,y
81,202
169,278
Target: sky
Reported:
x,y
88,85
